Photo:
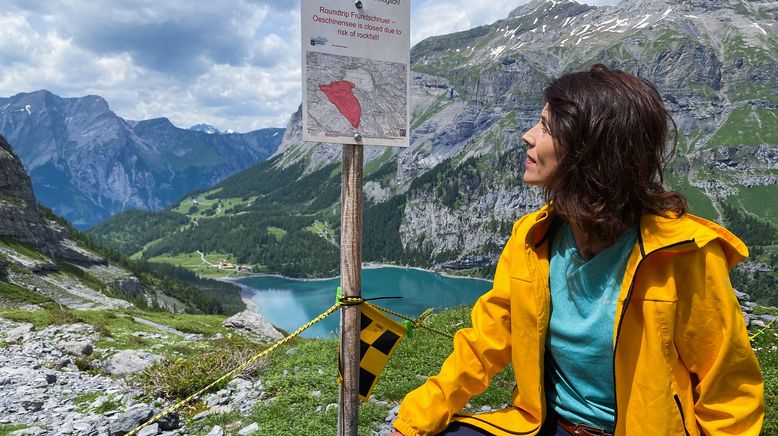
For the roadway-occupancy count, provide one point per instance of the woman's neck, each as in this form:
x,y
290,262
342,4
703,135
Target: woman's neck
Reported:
x,y
589,245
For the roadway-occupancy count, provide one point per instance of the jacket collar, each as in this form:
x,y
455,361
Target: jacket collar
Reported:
x,y
656,232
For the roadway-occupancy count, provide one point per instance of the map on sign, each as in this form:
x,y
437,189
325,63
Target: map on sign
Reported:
x,y
348,94
356,71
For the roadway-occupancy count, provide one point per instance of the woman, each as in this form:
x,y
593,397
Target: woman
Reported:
x,y
612,303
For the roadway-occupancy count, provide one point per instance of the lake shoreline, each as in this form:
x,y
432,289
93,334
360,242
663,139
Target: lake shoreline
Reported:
x,y
247,292
366,265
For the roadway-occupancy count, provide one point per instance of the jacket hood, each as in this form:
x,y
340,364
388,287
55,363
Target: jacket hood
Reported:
x,y
660,232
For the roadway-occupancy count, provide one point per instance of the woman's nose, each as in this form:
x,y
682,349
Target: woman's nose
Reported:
x,y
527,138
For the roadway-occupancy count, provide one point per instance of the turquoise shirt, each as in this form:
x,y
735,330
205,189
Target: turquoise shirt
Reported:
x,y
579,352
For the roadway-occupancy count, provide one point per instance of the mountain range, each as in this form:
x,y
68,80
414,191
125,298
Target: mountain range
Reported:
x,y
44,262
87,163
448,200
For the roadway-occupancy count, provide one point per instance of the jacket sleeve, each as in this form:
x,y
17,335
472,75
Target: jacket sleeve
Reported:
x,y
480,352
712,341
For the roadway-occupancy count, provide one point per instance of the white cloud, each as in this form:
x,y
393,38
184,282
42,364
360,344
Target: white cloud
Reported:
x,y
233,63
437,18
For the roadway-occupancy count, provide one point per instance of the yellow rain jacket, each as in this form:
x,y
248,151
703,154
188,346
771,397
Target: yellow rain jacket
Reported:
x,y
683,364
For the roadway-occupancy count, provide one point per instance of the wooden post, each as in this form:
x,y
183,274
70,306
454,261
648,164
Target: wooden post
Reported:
x,y
351,283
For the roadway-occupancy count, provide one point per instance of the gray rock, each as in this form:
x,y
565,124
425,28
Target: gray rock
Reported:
x,y
76,348
386,426
239,384
82,427
66,428
239,397
767,318
130,419
149,430
32,405
214,400
19,333
28,431
171,421
129,362
215,410
99,401
249,429
253,324
216,431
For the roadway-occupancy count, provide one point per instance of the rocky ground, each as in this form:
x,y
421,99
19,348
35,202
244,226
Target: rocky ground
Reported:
x,y
53,384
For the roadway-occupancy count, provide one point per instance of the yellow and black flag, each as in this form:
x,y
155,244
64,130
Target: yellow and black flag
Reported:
x,y
378,338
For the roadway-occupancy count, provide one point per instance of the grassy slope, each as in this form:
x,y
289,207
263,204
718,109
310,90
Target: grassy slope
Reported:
x,y
301,377
749,127
194,263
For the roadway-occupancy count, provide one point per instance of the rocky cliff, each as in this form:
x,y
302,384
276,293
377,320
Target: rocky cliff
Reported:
x,y
42,262
35,249
474,93
19,215
21,220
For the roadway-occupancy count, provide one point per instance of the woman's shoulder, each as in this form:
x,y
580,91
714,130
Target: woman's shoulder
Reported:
x,y
668,230
530,219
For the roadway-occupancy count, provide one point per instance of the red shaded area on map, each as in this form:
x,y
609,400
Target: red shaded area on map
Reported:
x,y
339,93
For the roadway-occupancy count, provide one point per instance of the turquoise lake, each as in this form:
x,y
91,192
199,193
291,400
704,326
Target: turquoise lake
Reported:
x,y
289,303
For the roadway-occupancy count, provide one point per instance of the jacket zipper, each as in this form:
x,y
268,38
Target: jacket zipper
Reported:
x,y
680,410
621,320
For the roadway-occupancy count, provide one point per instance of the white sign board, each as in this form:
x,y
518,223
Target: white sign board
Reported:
x,y
356,71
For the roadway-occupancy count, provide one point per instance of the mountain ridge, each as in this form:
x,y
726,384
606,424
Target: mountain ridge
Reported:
x,y
448,200
87,163
45,261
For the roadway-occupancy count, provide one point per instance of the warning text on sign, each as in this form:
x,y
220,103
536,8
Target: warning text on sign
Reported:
x,y
357,25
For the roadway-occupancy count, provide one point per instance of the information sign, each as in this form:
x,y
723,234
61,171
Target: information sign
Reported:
x,y
356,71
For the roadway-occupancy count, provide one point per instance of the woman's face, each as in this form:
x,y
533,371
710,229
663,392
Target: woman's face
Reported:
x,y
541,154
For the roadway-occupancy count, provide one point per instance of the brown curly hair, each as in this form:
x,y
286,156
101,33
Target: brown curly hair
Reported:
x,y
610,130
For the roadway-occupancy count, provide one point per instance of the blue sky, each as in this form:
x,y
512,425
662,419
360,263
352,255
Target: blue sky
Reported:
x,y
234,64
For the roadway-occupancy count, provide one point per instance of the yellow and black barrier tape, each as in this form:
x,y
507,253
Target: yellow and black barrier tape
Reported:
x,y
416,322
341,301
245,365
758,333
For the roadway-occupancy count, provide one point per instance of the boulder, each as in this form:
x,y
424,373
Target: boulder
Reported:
x,y
171,421
149,430
131,418
254,325
767,318
129,362
76,348
33,405
19,333
249,429
216,431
